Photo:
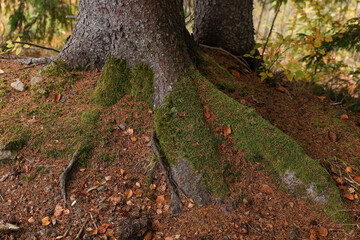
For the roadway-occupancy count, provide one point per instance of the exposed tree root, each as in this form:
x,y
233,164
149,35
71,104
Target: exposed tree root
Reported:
x,y
20,69
176,204
28,61
4,227
65,174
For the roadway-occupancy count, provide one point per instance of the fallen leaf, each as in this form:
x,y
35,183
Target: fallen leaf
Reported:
x,y
122,171
207,113
147,139
138,184
349,196
114,199
348,169
128,193
130,131
138,193
31,220
152,186
133,139
191,205
332,136
33,120
312,234
339,180
323,231
266,189
148,235
108,178
57,97
102,229
110,232
1,71
160,199
227,130
286,223
169,238
58,210
96,183
46,221
344,117
280,89
351,190
357,179
235,73
94,232
150,111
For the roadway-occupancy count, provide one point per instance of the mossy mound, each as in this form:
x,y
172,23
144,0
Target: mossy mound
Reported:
x,y
285,159
114,82
184,133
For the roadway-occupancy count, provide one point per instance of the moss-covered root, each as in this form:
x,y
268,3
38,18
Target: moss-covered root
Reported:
x,y
298,173
189,144
114,82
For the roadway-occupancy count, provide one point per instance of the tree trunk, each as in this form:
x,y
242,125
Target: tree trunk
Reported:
x,y
227,24
150,32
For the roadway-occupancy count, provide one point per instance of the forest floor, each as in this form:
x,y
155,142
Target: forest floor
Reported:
x,y
119,183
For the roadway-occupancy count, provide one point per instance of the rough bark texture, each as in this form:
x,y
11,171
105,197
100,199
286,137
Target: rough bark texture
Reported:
x,y
225,23
152,32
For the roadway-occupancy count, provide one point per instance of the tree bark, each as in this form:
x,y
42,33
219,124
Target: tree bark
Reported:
x,y
150,32
227,24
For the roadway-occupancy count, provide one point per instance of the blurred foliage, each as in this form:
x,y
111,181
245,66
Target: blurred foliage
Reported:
x,y
316,41
36,20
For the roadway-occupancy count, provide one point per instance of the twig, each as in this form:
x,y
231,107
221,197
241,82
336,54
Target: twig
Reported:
x,y
20,69
176,204
2,197
64,175
80,233
254,229
29,61
242,62
93,221
272,26
35,45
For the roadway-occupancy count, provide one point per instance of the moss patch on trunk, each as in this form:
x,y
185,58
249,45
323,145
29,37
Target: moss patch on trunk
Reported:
x,y
114,82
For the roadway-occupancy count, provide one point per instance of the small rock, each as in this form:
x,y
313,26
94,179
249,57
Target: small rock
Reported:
x,y
122,126
18,85
35,80
7,155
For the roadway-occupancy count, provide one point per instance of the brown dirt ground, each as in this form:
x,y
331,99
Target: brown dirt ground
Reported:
x,y
255,209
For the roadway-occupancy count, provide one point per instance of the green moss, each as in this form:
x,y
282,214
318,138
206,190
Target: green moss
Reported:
x,y
183,132
15,137
142,81
114,82
58,69
262,141
90,116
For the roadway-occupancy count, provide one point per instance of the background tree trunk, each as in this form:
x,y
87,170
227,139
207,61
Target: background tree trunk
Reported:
x,y
139,31
227,24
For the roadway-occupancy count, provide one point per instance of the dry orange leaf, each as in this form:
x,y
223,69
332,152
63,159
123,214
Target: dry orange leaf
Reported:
x,y
235,73
58,210
357,179
94,232
57,97
266,189
138,193
160,199
348,169
128,193
31,220
339,180
280,89
312,234
46,221
349,196
33,120
207,113
148,235
122,171
323,231
130,131
103,228
96,183
114,199
227,130
344,117
133,139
